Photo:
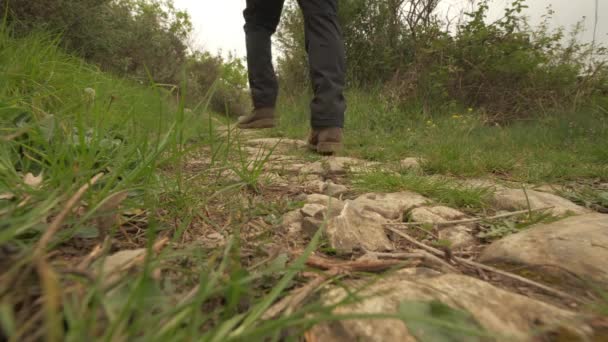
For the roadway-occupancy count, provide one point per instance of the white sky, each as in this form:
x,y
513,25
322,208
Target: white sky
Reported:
x,y
219,24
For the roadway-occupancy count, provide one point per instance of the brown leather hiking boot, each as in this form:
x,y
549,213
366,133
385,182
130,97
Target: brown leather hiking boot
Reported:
x,y
325,140
259,118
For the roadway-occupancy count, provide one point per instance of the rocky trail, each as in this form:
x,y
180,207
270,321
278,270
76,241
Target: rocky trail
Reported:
x,y
402,252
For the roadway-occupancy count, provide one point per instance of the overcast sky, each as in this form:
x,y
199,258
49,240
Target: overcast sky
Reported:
x,y
219,24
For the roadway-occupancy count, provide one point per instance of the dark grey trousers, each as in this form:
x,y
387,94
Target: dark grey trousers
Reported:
x,y
326,57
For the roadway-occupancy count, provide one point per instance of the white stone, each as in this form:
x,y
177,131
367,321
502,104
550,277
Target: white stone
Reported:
x,y
508,316
356,229
577,244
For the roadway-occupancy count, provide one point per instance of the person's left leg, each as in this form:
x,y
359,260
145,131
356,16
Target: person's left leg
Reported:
x,y
261,20
325,48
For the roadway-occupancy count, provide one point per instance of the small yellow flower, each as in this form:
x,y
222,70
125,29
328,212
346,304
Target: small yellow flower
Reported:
x,y
429,122
470,109
456,116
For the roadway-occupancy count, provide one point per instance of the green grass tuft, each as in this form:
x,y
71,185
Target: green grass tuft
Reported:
x,y
556,147
440,189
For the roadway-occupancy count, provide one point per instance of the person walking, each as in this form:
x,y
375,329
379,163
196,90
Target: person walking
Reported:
x,y
326,59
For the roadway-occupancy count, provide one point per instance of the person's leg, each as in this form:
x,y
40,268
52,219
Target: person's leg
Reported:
x,y
261,20
325,48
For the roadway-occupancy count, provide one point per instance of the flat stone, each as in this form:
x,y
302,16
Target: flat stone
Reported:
x,y
334,204
284,167
114,264
458,236
337,165
501,313
277,143
316,186
357,229
435,214
314,210
515,199
313,168
391,206
577,244
292,222
334,190
411,164
273,179
310,226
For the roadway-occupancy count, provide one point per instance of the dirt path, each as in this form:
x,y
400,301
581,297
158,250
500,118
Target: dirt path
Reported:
x,y
523,286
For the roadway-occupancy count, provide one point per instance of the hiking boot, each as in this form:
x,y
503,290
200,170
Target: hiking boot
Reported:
x,y
259,118
325,140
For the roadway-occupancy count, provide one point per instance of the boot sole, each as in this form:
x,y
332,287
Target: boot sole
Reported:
x,y
263,123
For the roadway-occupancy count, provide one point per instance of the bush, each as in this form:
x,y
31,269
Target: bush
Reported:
x,y
506,68
142,39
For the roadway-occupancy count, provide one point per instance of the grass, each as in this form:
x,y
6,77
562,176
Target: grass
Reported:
x,y
440,189
556,147
65,122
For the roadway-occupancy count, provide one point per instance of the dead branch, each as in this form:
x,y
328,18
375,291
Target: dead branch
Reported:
x,y
486,268
466,221
428,258
373,266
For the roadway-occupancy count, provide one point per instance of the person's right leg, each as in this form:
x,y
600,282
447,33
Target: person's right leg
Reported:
x,y
261,20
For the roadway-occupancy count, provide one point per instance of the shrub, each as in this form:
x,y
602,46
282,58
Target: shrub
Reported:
x,y
505,68
141,39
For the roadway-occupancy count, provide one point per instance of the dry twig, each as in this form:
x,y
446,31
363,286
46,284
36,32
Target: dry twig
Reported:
x,y
429,258
374,266
487,268
466,221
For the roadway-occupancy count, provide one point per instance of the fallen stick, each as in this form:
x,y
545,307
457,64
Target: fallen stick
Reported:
x,y
355,266
486,268
466,221
293,300
418,254
95,253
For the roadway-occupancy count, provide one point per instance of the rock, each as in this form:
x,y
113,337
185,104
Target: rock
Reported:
x,y
458,236
273,179
391,206
515,199
340,165
411,164
292,222
577,244
314,210
313,168
357,229
435,214
334,190
334,204
215,236
310,226
118,262
280,144
499,312
284,166
336,165
317,186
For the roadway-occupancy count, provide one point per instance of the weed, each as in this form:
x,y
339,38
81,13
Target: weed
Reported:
x,y
443,190
560,147
491,231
